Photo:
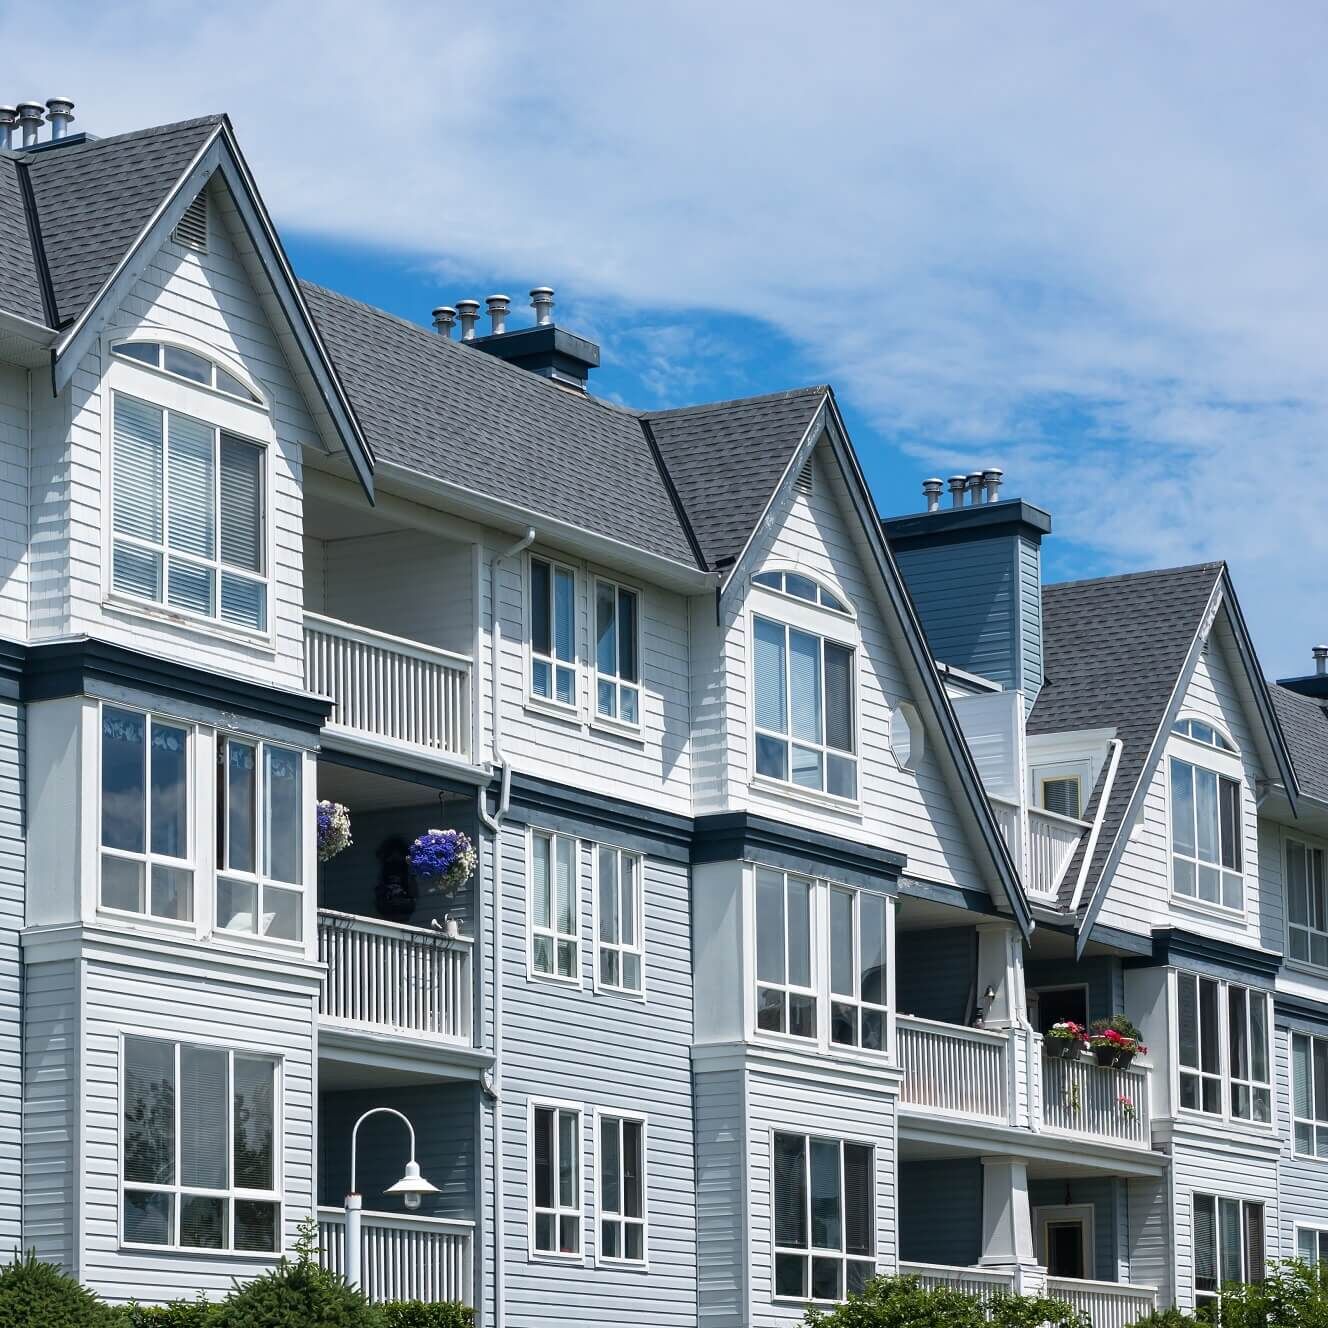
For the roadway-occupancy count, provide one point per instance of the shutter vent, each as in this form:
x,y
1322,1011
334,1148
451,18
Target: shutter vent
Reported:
x,y
192,231
803,484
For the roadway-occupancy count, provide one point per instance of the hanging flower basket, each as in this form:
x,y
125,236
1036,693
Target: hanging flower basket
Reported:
x,y
1115,1042
443,860
333,830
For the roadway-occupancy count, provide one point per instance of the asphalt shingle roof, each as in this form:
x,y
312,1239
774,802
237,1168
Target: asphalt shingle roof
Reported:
x,y
20,288
727,459
1114,648
1304,721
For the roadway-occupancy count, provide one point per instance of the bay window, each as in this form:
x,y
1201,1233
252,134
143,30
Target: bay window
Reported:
x,y
555,1185
552,595
1206,836
620,929
260,839
1228,1245
1309,1095
824,1217
1307,904
622,1189
804,709
1223,1044
198,1148
146,858
617,653
187,514
822,961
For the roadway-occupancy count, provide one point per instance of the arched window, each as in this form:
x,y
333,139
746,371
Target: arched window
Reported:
x,y
1202,731
1207,830
186,364
806,588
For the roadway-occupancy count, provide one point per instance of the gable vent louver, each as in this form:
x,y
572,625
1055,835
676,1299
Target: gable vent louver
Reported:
x,y
803,484
192,230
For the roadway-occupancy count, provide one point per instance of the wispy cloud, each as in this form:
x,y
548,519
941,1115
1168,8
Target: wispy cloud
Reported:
x,y
1084,241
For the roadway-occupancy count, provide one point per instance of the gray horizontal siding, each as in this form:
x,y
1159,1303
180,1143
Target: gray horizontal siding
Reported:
x,y
1304,1180
721,1188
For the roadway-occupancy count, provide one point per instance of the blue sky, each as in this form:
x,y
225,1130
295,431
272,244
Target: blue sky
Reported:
x,y
1082,243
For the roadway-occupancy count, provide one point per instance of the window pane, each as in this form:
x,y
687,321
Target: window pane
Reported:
x,y
1320,1080
170,790
203,1222
241,504
149,1111
608,895
1259,1038
253,1126
628,868
1205,1242
123,750
285,823
1237,1032
826,1217
859,1223
872,920
800,933
187,364
203,1075
1302,1099
282,913
237,905
1297,885
807,767
771,757
627,629
541,893
769,927
838,697
800,587
805,688
775,580
1188,1019
841,776
172,892
241,807
136,571
606,634
138,465
540,638
229,383
790,1191
543,1157
842,977
255,1225
771,699
243,601
633,1165
791,1276
148,1218
610,1165
569,1181
1205,814
565,851
191,485
826,1279
1230,810
1229,1233
564,613
1182,807
190,587
148,352
1208,1026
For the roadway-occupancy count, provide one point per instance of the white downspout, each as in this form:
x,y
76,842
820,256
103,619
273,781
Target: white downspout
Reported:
x,y
494,825
1091,847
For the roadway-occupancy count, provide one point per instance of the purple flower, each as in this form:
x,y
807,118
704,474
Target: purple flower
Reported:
x,y
444,858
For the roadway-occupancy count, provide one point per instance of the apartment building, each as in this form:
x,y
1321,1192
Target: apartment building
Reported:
x,y
796,830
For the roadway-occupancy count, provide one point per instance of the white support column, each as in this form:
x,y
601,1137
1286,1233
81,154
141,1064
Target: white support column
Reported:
x,y
1007,1223
1001,971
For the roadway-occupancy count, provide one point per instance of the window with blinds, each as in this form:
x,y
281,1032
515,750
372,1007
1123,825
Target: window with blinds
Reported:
x,y
1307,904
198,1148
187,511
555,1189
1309,1095
1312,1244
555,903
552,596
1228,1245
622,1188
1206,836
1224,1075
1061,794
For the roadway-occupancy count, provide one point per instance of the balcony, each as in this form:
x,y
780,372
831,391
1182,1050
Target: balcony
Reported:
x,y
954,1071
1107,1304
403,1257
1050,839
388,977
1083,1099
388,688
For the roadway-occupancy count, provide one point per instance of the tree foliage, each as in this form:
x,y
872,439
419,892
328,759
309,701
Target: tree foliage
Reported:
x,y
32,1292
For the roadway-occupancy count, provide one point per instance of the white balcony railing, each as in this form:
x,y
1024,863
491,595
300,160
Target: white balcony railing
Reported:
x,y
1082,1098
1107,1304
387,687
1052,840
392,978
402,1257
972,1281
955,1070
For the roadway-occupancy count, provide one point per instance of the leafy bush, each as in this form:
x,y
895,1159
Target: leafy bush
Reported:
x,y
1166,1319
38,1293
200,1313
1294,1294
416,1314
1118,1023
903,1302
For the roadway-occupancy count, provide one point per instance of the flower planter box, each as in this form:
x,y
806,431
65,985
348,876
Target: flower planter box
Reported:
x,y
1059,1049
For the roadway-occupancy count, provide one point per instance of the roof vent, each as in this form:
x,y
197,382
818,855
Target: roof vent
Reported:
x,y
803,484
8,119
31,116
541,300
444,320
469,312
192,229
1320,659
60,113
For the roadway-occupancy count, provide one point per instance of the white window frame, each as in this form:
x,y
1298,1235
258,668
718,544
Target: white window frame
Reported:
x,y
251,422
855,1000
1223,1076
551,660
823,586
831,628
603,1117
811,1252
1320,1234
260,878
1313,854
533,973
1055,774
1224,1275
818,990
1084,1214
275,1196
1225,766
148,858
602,946
559,1211
154,336
1312,1123
614,679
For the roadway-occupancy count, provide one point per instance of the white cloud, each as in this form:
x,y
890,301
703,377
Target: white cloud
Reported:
x,y
1085,240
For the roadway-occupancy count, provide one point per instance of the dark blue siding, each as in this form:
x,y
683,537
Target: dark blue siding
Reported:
x,y
934,973
940,1211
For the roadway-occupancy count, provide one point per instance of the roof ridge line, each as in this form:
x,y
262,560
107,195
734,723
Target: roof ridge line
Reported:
x,y
785,394
1214,564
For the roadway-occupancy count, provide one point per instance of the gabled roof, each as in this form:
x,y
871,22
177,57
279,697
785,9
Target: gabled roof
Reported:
x,y
1304,722
20,286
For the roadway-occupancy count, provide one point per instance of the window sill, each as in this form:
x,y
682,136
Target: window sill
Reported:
x,y
813,797
1254,1128
211,628
554,980
617,729
1304,966
260,945
1309,1157
832,1051
627,993
139,921
198,1252
1203,909
537,705
548,1256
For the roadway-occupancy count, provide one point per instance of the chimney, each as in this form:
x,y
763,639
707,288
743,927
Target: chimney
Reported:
x,y
444,320
468,311
499,306
31,115
1311,684
957,490
541,300
992,479
8,119
931,491
60,113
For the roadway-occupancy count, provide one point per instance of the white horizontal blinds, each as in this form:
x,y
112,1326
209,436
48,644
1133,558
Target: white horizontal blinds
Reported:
x,y
1247,1049
198,1135
1312,1244
1228,1245
617,668
1200,1043
553,905
620,926
243,592
138,439
824,1217
785,998
1061,795
1206,835
1307,904
191,451
1206,1283
1309,1082
622,1189
556,1192
858,968
146,854
552,632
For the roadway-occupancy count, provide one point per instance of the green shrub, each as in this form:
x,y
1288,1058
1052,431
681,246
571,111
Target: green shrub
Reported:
x,y
1009,1311
33,1293
903,1302
199,1313
1166,1319
1118,1023
416,1314
1292,1293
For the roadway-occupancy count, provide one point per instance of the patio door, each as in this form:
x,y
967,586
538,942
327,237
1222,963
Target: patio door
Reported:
x,y
1065,1240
